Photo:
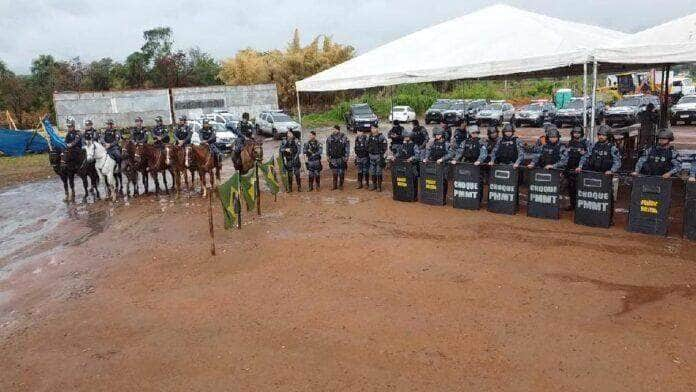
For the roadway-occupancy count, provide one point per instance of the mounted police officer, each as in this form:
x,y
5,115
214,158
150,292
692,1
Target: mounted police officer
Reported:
x,y
471,149
244,131
337,152
139,134
602,156
183,132
396,136
73,138
661,159
553,154
312,150
160,133
110,139
362,158
508,150
420,135
577,148
90,133
207,135
376,148
290,153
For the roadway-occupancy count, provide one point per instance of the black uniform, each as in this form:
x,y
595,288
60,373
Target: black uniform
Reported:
x,y
459,136
337,152
420,136
312,150
244,130
576,149
208,136
139,135
507,151
376,148
183,134
73,141
471,150
362,159
648,128
91,134
290,151
110,138
160,135
395,134
659,160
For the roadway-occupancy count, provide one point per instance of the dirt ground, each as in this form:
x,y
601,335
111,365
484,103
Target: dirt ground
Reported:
x,y
27,168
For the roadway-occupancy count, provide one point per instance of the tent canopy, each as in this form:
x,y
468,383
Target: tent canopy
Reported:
x,y
673,42
496,40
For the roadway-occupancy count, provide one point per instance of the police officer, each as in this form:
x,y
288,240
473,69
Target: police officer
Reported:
x,y
439,150
376,148
244,130
90,133
577,147
492,132
661,159
207,135
337,152
160,133
553,154
183,132
692,172
312,150
110,139
396,136
419,135
602,156
362,158
471,149
290,151
73,138
139,134
648,125
409,151
459,136
446,130
508,150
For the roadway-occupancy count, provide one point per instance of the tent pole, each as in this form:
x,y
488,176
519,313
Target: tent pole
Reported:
x,y
299,110
584,95
665,102
593,137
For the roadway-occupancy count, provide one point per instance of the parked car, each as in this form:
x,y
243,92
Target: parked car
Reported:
x,y
473,107
402,114
275,123
535,114
360,116
625,111
496,112
434,113
572,113
684,110
456,114
224,137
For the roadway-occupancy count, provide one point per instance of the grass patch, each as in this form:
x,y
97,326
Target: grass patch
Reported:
x,y
15,170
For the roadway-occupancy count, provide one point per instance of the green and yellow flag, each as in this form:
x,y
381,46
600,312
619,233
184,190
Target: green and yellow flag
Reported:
x,y
268,172
283,174
229,197
248,183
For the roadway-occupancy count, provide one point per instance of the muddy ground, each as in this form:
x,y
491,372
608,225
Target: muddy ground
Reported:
x,y
335,290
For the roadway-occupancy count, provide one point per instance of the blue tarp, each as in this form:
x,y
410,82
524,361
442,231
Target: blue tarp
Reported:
x,y
56,141
18,143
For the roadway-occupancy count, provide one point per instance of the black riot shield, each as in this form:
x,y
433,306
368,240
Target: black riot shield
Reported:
x,y
503,196
467,185
690,211
543,201
595,200
432,183
650,201
404,181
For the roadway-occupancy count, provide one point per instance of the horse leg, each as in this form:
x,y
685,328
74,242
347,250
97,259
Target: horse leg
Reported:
x,y
94,176
84,185
201,174
146,181
164,179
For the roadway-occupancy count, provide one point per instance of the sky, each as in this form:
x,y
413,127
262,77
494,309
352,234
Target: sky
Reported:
x,y
92,29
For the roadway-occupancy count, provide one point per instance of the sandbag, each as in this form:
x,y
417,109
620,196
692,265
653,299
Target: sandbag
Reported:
x,y
595,200
503,190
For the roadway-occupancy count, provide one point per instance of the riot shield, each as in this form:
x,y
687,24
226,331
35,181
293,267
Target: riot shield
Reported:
x,y
650,201
467,185
404,181
432,183
595,200
543,201
503,196
690,211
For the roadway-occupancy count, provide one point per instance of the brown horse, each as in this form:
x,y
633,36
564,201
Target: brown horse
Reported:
x,y
156,163
179,161
137,164
206,163
251,152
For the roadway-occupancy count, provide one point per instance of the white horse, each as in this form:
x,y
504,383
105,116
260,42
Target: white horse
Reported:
x,y
105,165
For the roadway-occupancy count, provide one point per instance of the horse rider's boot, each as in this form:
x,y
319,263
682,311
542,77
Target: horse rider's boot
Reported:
x,y
335,182
311,182
360,177
379,183
290,183
341,178
374,183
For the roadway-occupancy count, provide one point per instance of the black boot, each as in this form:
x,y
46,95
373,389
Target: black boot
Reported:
x,y
379,183
289,183
374,183
311,182
341,178
335,182
318,180
299,182
360,177
367,181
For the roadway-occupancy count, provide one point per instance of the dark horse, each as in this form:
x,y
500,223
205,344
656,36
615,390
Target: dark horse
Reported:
x,y
155,163
130,168
206,163
137,164
251,152
179,160
69,162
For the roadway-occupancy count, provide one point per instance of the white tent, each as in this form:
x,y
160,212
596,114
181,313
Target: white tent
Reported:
x,y
494,41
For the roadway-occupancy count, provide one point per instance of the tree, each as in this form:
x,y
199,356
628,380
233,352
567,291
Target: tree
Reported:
x,y
136,70
99,75
204,69
158,43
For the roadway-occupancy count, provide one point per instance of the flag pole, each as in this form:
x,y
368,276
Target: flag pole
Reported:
x,y
257,188
238,203
210,222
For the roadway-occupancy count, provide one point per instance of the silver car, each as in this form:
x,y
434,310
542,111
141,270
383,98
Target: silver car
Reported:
x,y
496,113
276,124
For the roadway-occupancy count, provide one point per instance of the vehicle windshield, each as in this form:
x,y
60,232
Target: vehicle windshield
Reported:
x,y
219,127
629,101
441,105
574,104
493,106
458,105
281,117
535,107
688,100
399,109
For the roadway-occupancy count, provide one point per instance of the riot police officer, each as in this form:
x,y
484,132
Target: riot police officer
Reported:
x,y
362,158
439,150
337,152
577,147
207,135
160,133
312,150
492,132
90,133
409,151
446,130
376,148
661,159
396,136
471,149
290,153
648,119
110,139
183,132
419,135
139,134
459,136
602,156
553,154
508,150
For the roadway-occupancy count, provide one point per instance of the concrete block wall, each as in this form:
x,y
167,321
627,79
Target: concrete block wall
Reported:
x,y
196,101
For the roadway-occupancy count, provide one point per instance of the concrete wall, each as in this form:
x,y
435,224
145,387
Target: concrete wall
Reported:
x,y
195,101
121,106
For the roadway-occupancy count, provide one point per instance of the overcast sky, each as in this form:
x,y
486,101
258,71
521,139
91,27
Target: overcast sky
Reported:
x,y
92,29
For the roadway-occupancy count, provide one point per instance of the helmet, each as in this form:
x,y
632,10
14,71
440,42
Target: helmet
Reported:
x,y
406,134
109,122
473,129
603,130
70,122
438,131
205,121
337,127
138,119
88,123
650,107
507,127
665,134
395,122
553,132
245,116
546,125
183,118
493,130
158,119
416,123
578,129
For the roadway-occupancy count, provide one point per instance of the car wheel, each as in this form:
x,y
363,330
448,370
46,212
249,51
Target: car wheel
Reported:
x,y
672,122
518,124
559,124
687,122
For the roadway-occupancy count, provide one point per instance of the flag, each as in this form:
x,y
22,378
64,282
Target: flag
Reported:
x,y
283,174
229,196
248,185
56,141
268,172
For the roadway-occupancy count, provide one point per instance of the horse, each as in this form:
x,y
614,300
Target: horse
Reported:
x,y
130,169
134,152
178,161
104,164
156,164
251,152
67,163
205,161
